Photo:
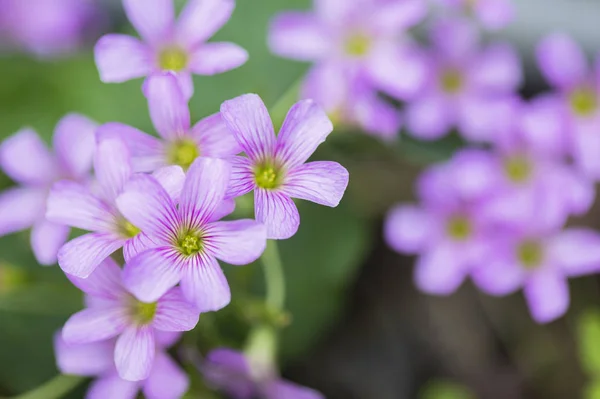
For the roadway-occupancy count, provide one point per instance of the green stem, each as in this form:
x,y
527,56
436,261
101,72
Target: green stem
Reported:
x,y
54,389
274,276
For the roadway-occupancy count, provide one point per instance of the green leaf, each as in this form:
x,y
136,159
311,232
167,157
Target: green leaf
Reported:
x,y
440,389
320,263
588,336
592,391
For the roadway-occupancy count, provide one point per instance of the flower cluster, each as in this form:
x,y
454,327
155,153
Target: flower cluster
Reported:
x,y
161,200
497,214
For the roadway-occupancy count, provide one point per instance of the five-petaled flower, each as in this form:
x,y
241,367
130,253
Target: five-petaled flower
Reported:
x,y
25,158
359,47
113,311
92,207
187,240
275,166
169,45
179,142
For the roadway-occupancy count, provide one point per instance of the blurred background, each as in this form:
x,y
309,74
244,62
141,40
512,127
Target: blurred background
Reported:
x,y
359,329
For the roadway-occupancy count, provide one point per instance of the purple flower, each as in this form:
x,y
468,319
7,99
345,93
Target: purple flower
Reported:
x,y
232,373
530,176
492,14
352,103
540,260
275,167
169,45
354,43
25,158
447,229
187,239
48,27
165,381
468,88
180,144
112,311
93,208
575,107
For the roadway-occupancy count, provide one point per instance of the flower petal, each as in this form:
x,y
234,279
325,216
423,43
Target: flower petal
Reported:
x,y
383,66
396,16
278,212
204,190
95,324
120,58
228,370
408,229
439,271
322,182
236,242
576,251
25,158
214,138
242,177
136,245
495,14
46,240
74,144
152,273
455,39
282,389
112,386
147,152
104,282
82,255
175,313
429,117
134,353
73,204
299,36
84,359
249,121
201,19
561,60
146,204
168,108
225,209
547,294
204,284
377,116
587,145
166,380
499,276
112,167
20,208
171,178
543,125
215,58
153,19
496,69
305,127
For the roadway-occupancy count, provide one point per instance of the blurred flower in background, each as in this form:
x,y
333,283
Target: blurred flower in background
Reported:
x,y
49,28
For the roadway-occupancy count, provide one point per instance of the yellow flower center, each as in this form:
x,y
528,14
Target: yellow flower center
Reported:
x,y
173,59
190,244
517,169
267,176
128,229
530,254
459,228
183,153
584,101
142,312
451,81
358,45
